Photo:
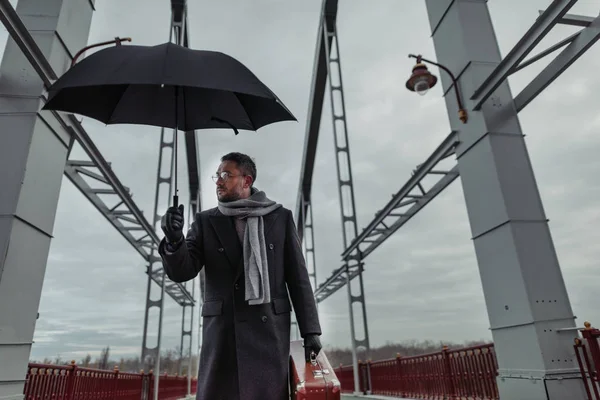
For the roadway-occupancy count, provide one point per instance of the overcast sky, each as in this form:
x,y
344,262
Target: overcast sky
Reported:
x,y
424,281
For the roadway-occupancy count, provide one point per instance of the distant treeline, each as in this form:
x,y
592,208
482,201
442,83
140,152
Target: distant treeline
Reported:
x,y
171,363
407,348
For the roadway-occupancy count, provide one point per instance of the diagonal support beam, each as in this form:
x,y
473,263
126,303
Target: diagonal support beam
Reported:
x,y
585,39
383,233
338,279
403,198
550,17
575,20
380,230
73,175
91,174
546,52
30,49
72,124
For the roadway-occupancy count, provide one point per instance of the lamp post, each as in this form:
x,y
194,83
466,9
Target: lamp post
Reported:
x,y
422,80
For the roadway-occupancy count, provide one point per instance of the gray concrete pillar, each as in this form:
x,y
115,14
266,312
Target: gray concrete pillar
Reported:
x,y
33,152
525,294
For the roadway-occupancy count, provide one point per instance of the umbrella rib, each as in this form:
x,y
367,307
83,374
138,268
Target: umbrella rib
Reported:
x,y
110,118
244,108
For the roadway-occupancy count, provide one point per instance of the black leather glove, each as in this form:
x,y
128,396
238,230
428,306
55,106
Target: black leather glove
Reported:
x,y
172,224
311,343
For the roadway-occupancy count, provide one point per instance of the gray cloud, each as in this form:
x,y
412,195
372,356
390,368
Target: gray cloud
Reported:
x,y
423,282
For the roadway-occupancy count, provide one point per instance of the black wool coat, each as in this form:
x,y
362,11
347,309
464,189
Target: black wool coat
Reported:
x,y
245,348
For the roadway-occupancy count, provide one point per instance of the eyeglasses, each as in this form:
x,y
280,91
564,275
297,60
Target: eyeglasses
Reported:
x,y
224,176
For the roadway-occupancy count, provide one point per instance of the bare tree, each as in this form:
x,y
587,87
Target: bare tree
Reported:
x,y
103,361
86,361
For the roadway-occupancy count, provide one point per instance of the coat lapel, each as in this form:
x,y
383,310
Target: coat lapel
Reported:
x,y
268,221
225,230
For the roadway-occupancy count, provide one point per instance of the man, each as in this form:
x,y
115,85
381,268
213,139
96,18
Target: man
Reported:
x,y
251,255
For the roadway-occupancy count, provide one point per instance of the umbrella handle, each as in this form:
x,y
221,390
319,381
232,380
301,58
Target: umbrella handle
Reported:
x,y
175,201
116,41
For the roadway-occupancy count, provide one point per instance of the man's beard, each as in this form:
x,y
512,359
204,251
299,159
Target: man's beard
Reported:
x,y
229,197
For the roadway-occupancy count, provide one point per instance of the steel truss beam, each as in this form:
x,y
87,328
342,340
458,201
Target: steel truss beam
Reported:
x,y
575,20
309,241
403,206
69,123
28,46
179,20
186,333
387,221
149,356
409,200
345,188
122,220
326,39
315,110
338,279
577,45
545,22
178,33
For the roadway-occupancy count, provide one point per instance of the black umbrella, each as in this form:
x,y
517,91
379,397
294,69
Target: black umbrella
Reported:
x,y
169,86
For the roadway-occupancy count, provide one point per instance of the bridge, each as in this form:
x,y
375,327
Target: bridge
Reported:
x,y
537,350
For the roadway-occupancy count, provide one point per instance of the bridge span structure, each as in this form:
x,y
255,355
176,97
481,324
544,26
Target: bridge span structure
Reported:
x,y
518,266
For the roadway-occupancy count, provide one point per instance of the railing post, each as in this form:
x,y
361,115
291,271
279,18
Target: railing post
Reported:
x,y
401,385
448,377
150,393
115,381
360,377
368,382
70,392
143,385
165,384
592,341
585,369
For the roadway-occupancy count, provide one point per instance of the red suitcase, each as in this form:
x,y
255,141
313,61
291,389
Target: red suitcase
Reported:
x,y
314,380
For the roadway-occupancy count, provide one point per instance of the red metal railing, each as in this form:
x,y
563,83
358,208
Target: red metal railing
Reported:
x,y
588,358
71,382
171,387
462,373
346,376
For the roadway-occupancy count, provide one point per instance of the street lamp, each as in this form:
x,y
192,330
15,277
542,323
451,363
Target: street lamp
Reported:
x,y
422,80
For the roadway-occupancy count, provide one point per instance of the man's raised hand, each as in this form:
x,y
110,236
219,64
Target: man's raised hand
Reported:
x,y
172,224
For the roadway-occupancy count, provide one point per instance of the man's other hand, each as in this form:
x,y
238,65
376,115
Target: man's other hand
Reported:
x,y
311,343
172,224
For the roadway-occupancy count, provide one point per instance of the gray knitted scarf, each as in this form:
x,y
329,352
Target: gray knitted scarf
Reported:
x,y
256,269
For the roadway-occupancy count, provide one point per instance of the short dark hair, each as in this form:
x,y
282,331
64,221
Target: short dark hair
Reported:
x,y
244,163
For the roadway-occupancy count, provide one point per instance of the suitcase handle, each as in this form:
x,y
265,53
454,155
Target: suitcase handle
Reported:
x,y
313,358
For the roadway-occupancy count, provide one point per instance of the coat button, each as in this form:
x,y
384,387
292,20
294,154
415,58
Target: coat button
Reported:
x,y
236,286
264,318
221,249
271,246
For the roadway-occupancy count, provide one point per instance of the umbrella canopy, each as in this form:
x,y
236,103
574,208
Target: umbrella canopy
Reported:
x,y
169,86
